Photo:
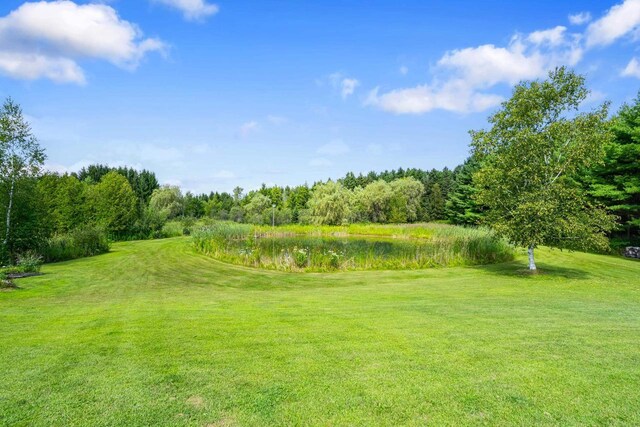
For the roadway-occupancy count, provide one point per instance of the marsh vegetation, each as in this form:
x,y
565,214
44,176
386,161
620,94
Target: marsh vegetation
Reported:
x,y
354,247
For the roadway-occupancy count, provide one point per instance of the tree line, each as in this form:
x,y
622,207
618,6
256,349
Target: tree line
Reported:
x,y
542,165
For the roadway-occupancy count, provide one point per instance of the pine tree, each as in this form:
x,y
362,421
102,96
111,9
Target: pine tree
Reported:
x,y
461,207
616,182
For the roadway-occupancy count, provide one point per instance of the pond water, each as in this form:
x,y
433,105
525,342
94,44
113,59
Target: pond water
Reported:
x,y
354,252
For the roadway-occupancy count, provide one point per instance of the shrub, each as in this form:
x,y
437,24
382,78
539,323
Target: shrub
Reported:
x,y
29,262
172,229
301,257
81,242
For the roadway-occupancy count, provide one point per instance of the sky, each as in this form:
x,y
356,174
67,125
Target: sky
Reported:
x,y
214,94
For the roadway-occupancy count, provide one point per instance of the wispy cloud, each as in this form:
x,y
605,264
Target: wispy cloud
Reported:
x,y
348,87
248,128
621,20
192,10
342,83
632,69
580,18
277,120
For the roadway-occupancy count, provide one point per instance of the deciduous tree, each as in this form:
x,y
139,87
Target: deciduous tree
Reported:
x,y
20,155
537,141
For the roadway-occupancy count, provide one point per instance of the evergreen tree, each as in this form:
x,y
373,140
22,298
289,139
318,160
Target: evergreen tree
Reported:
x,y
436,203
616,182
461,207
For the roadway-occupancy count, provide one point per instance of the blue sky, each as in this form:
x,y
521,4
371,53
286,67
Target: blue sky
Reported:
x,y
214,94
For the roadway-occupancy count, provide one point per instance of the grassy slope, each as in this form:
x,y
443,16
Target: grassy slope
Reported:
x,y
153,334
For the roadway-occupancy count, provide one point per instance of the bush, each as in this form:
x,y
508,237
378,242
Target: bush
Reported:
x,y
29,262
81,242
301,257
172,229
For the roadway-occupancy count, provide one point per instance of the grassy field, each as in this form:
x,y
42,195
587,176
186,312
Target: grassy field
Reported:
x,y
155,334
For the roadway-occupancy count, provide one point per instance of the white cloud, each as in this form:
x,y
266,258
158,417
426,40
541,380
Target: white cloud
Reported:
x,y
45,39
334,148
348,87
248,128
619,21
462,78
595,96
455,96
580,18
320,162
553,37
192,10
32,66
632,69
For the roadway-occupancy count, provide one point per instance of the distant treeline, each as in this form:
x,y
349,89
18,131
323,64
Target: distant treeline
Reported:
x,y
124,203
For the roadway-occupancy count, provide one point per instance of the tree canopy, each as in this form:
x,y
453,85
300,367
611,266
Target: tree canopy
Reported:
x,y
537,142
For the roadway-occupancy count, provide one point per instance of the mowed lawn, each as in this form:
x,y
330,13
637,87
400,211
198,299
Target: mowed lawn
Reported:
x,y
153,334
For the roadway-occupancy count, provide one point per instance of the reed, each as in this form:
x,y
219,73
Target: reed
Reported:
x,y
354,247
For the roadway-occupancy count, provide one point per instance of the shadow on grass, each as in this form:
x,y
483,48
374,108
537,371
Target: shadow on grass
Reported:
x,y
521,270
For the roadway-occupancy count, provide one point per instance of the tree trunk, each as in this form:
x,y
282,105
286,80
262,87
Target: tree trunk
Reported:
x,y
532,262
6,236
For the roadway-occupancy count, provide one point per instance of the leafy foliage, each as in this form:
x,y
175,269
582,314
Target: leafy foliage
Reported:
x,y
81,242
537,143
330,204
113,204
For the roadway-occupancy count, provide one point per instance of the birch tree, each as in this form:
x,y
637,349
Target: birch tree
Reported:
x,y
20,155
537,142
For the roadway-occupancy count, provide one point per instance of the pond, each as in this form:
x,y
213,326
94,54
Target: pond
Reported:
x,y
310,253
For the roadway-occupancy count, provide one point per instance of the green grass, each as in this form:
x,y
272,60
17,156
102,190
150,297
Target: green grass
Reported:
x,y
155,334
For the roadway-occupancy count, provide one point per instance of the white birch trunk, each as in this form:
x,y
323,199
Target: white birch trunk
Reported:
x,y
532,262
6,236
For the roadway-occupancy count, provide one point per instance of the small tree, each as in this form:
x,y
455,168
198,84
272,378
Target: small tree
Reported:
x,y
169,200
20,154
114,204
405,201
256,208
435,203
461,207
375,199
330,204
538,140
